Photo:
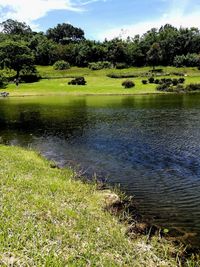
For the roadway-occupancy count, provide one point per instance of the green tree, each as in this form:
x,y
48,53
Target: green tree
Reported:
x,y
16,56
64,33
154,55
13,27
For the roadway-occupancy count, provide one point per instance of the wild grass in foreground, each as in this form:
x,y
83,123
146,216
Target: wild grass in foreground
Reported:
x,y
50,219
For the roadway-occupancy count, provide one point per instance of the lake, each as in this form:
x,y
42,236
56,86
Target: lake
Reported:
x,y
150,145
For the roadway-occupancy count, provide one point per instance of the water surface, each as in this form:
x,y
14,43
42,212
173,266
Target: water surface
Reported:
x,y
150,145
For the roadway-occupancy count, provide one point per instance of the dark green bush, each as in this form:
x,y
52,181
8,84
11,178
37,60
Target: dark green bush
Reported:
x,y
193,87
156,81
128,84
61,65
181,80
78,81
120,66
100,65
121,75
151,80
3,81
175,82
179,88
29,75
164,87
144,81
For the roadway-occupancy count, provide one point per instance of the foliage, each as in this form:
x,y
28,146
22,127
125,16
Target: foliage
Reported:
x,y
128,84
14,27
78,81
193,87
3,81
29,74
61,65
151,80
64,33
154,55
15,55
144,81
189,60
121,65
181,80
100,65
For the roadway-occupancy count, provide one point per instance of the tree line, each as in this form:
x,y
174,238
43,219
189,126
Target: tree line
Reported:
x,y
21,47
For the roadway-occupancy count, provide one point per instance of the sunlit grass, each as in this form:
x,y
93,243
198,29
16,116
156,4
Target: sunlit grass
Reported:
x,y
50,219
56,82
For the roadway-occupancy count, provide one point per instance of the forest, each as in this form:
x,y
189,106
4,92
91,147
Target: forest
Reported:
x,y
21,48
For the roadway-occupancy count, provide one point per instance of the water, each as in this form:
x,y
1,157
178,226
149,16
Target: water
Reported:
x,y
150,145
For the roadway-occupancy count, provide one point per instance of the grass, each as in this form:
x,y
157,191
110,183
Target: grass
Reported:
x,y
56,82
50,219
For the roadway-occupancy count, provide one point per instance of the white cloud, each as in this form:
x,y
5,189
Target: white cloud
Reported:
x,y
176,15
29,11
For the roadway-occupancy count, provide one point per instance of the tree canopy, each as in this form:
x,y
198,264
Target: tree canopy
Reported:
x,y
167,45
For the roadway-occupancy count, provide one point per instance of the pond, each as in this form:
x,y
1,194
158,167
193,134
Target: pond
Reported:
x,y
150,145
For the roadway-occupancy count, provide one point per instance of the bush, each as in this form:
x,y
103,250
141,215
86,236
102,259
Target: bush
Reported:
x,y
189,60
181,80
61,65
151,80
78,81
120,66
128,84
193,87
165,87
156,81
121,75
179,88
174,82
3,81
144,81
29,75
100,65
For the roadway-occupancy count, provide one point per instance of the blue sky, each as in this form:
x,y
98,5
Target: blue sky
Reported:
x,y
103,18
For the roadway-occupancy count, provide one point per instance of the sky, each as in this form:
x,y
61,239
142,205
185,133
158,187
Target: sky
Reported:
x,y
102,19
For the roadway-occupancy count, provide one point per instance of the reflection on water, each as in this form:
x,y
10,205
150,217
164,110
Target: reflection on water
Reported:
x,y
148,144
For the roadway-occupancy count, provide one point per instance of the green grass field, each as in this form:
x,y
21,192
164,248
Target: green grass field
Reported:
x,y
48,218
56,82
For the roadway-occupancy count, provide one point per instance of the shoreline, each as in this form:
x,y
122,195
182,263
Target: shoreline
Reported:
x,y
47,198
97,94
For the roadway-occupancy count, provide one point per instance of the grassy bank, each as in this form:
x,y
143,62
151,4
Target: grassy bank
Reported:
x,y
50,219
56,82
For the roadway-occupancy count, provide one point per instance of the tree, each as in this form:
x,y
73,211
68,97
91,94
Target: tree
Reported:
x,y
16,56
154,55
15,27
64,33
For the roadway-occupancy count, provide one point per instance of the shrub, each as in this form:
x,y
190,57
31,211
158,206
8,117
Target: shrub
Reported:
x,y
100,65
144,81
121,76
179,88
174,82
29,75
151,80
181,80
189,60
193,87
156,71
61,65
78,81
3,81
164,87
156,81
120,66
128,84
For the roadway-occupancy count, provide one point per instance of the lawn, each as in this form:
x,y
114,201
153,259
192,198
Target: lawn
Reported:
x,y
56,82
